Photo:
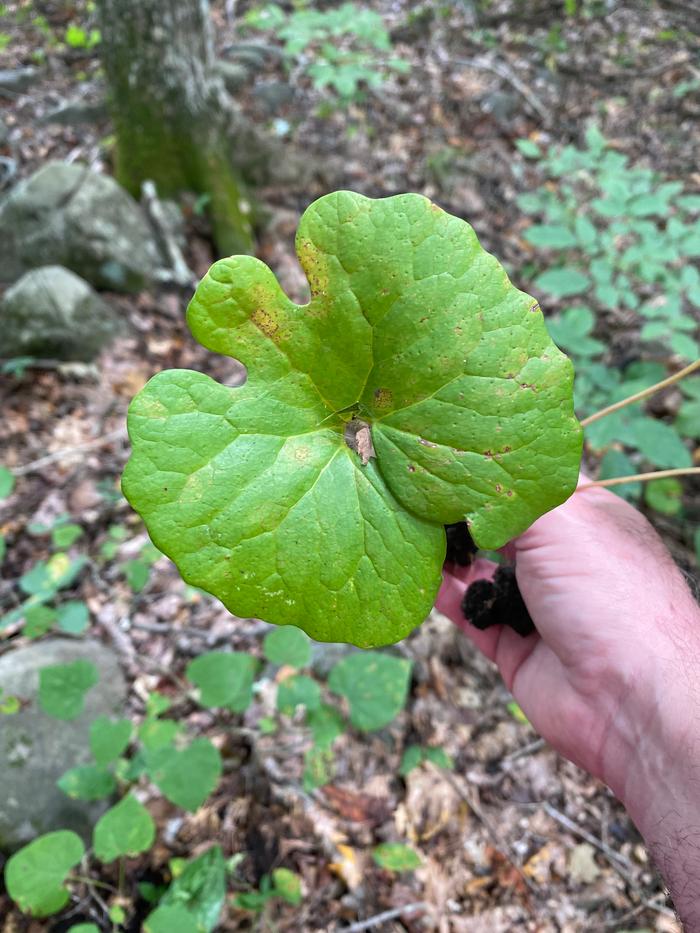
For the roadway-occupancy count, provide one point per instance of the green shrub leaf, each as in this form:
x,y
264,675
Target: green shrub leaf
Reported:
x,y
186,776
126,829
7,482
287,645
48,576
287,885
326,724
375,685
224,678
65,535
109,738
158,733
298,691
62,688
395,856
551,236
38,619
200,888
171,918
415,755
563,282
35,875
665,495
415,331
73,617
87,782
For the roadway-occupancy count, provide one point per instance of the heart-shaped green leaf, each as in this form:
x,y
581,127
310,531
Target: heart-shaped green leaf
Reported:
x,y
62,687
224,678
418,387
109,738
87,782
34,876
186,776
126,829
375,685
287,645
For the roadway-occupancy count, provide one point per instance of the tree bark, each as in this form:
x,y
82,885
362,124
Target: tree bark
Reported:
x,y
170,109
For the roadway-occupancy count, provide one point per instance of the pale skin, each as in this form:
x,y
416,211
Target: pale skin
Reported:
x,y
611,678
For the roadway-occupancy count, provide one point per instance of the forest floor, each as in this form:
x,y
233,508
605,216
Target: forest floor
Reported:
x,y
515,837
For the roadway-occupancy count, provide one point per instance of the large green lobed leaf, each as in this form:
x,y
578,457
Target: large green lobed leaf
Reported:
x,y
416,331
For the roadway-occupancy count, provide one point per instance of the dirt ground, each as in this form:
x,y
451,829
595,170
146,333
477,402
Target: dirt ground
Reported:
x,y
515,838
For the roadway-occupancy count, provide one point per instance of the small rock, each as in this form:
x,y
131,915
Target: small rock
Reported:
x,y
273,94
17,80
582,864
74,114
4,133
36,749
233,75
53,313
70,216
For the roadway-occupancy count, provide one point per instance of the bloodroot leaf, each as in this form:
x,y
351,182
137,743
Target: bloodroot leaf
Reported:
x,y
415,343
34,876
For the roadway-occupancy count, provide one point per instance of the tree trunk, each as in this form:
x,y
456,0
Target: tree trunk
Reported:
x,y
170,109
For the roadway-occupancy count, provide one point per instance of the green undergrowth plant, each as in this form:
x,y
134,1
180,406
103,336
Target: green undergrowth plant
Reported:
x,y
42,606
618,236
418,387
42,594
364,691
344,49
617,248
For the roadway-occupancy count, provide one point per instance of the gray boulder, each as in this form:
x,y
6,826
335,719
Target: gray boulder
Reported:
x,y
36,749
67,215
52,313
17,80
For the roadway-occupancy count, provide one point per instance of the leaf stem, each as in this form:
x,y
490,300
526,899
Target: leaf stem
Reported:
x,y
82,879
639,477
638,396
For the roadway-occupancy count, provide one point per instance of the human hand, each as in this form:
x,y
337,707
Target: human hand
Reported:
x,y
611,678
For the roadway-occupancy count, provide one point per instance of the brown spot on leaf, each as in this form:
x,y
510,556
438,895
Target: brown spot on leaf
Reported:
x,y
265,322
498,487
383,398
534,308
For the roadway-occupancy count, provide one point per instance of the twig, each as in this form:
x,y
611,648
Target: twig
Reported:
x,y
39,464
638,396
506,72
165,628
180,273
472,800
385,917
639,477
530,749
563,820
